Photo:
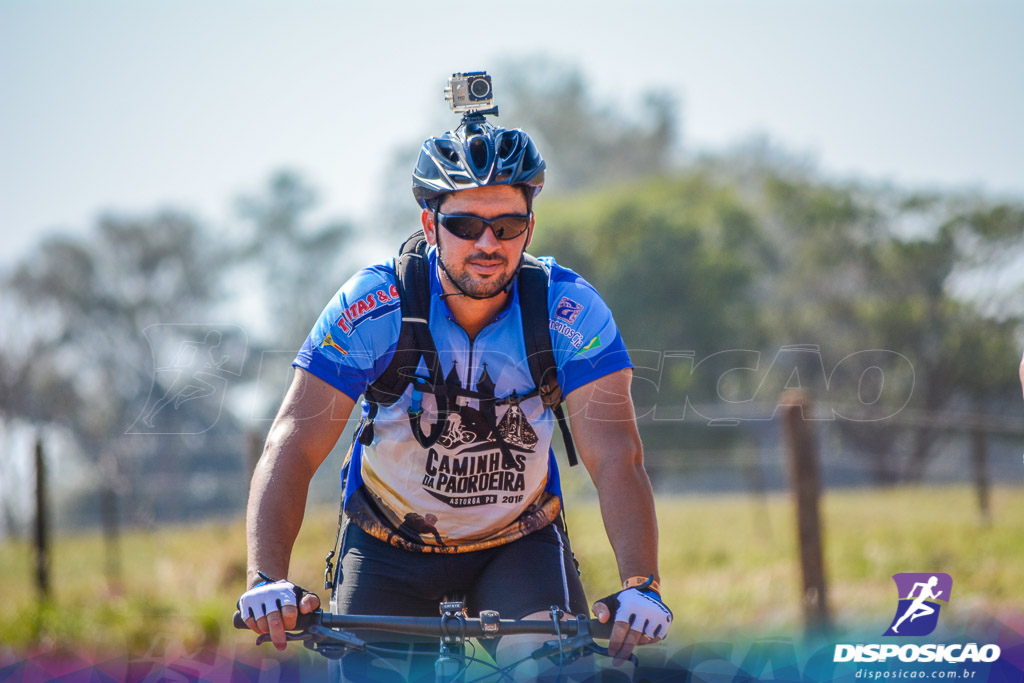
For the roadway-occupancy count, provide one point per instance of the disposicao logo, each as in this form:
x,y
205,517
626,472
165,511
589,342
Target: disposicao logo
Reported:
x,y
921,596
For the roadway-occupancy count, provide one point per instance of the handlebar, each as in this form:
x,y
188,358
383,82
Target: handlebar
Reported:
x,y
438,626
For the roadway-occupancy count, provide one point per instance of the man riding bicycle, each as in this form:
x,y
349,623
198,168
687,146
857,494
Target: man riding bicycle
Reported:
x,y
466,454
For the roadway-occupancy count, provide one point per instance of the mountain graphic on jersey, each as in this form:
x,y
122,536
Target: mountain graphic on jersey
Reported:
x,y
515,429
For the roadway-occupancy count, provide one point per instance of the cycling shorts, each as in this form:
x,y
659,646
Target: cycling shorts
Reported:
x,y
519,578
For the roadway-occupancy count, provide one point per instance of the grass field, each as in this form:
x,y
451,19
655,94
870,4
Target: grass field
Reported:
x,y
728,569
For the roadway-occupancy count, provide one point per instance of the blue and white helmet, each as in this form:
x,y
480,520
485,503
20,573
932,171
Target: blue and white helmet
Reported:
x,y
476,154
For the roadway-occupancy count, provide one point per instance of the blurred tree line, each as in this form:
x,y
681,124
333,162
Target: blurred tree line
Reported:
x,y
723,260
771,277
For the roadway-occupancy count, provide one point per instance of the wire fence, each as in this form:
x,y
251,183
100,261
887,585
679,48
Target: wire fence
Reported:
x,y
194,480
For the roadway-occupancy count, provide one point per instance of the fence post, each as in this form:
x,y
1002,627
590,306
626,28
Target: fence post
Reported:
x,y
805,478
42,526
979,463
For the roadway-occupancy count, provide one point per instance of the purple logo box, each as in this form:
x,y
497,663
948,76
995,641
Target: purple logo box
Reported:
x,y
921,596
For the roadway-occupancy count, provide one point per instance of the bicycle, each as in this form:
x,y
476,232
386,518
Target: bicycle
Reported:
x,y
331,636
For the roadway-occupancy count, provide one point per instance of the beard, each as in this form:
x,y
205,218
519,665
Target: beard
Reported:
x,y
475,286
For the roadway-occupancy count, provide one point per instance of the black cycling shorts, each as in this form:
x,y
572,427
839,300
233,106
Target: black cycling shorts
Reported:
x,y
519,578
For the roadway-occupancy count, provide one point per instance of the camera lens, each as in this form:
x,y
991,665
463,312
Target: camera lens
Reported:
x,y
480,88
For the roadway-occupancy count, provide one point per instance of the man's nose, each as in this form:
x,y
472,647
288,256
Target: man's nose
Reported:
x,y
487,240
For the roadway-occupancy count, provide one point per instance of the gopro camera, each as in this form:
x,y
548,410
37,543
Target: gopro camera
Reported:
x,y
469,92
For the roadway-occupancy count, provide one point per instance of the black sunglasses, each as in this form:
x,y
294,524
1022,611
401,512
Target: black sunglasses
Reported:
x,y
470,227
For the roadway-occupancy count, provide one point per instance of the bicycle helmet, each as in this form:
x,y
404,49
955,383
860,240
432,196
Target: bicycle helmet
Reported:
x,y
474,155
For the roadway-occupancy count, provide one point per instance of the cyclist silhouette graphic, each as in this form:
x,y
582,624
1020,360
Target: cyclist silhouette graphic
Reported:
x,y
456,434
918,608
422,524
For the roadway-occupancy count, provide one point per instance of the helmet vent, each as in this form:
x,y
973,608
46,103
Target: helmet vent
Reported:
x,y
506,145
447,150
478,152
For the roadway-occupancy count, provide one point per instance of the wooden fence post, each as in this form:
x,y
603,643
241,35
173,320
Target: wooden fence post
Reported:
x,y
42,526
979,462
805,478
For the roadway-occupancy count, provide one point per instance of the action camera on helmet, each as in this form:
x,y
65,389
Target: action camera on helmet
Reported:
x,y
469,92
476,153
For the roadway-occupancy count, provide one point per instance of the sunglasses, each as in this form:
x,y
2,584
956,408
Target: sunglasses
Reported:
x,y
470,227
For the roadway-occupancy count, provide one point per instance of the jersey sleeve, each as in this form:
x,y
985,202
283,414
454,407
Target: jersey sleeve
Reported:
x,y
355,336
584,337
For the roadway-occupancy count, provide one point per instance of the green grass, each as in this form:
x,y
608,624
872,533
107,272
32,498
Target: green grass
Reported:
x,y
728,567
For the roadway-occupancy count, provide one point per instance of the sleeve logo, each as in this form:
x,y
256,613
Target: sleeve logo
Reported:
x,y
370,307
329,341
591,345
568,310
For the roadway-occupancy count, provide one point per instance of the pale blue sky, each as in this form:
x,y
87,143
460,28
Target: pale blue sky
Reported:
x,y
137,104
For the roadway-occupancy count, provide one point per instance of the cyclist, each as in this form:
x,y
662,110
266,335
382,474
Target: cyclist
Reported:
x,y
495,533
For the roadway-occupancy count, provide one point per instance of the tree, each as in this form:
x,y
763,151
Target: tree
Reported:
x,y
80,360
586,143
294,263
676,258
876,268
751,251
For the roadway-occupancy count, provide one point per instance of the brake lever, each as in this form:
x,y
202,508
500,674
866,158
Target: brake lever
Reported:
x,y
343,638
573,646
595,648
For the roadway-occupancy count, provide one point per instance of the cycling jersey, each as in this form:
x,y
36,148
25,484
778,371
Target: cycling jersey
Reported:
x,y
462,493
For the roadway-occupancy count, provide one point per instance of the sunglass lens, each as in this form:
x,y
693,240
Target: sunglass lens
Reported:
x,y
472,227
464,227
507,227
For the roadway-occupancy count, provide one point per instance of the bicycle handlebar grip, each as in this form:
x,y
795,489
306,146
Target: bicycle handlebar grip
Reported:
x,y
302,621
599,630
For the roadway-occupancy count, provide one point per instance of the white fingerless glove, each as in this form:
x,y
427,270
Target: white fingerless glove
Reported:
x,y
642,610
268,596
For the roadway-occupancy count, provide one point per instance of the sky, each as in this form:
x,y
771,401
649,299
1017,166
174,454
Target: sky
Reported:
x,y
129,106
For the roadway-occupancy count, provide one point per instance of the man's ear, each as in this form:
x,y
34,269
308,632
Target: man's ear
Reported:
x,y
429,229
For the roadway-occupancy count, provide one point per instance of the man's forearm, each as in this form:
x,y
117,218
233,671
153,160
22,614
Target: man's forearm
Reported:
x,y
627,508
277,502
306,429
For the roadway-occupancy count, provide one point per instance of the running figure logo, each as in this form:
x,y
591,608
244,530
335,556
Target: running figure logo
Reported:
x,y
193,366
921,596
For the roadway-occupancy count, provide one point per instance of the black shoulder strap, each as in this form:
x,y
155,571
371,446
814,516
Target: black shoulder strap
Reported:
x,y
413,283
412,275
533,302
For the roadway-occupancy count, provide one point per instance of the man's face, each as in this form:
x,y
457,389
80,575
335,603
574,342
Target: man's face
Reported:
x,y
485,266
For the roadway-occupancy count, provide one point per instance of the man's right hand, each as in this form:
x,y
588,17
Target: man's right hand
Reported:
x,y
273,608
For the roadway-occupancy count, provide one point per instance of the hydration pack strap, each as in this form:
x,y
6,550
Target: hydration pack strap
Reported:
x,y
332,571
412,273
533,302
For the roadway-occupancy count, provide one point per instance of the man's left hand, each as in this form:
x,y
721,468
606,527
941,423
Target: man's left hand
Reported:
x,y
641,618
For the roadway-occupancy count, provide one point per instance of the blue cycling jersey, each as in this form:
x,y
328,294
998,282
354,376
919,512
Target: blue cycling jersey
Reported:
x,y
460,494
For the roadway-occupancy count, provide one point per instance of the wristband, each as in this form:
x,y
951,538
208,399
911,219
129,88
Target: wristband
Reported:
x,y
642,583
264,582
